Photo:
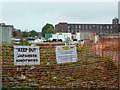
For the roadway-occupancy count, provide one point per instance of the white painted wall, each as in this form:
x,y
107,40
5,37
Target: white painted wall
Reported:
x,y
78,36
83,35
62,36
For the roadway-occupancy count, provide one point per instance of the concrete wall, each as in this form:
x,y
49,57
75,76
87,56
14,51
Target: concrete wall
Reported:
x,y
85,35
5,33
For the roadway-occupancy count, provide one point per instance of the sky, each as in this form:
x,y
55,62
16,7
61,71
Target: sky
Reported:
x,y
33,15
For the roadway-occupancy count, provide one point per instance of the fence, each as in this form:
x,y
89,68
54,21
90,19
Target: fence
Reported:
x,y
90,71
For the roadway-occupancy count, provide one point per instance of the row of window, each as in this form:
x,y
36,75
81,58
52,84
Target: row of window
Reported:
x,y
105,31
93,26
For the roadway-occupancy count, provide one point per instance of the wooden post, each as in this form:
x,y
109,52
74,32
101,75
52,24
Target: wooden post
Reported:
x,y
0,67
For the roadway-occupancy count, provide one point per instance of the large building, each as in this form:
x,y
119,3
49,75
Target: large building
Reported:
x,y
65,27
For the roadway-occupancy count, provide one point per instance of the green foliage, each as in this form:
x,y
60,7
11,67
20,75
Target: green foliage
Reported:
x,y
34,84
21,41
14,34
25,34
46,27
70,78
23,88
109,62
26,42
33,33
4,42
10,83
50,30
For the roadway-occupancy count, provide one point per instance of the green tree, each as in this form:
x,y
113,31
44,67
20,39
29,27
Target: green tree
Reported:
x,y
14,34
45,28
50,30
21,41
25,34
33,33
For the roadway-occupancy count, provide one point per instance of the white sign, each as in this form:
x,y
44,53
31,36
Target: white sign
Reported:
x,y
65,54
26,55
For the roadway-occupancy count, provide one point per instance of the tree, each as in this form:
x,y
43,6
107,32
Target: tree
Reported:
x,y
45,28
25,34
14,34
50,30
33,33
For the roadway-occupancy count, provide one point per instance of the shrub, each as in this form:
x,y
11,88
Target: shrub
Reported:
x,y
109,62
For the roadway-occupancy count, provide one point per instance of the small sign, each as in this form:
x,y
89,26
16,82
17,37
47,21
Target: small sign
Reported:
x,y
26,55
65,48
65,54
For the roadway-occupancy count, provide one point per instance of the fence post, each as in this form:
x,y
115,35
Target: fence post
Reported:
x,y
0,58
0,67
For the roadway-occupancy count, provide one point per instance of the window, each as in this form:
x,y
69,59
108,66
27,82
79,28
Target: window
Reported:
x,y
97,26
72,26
68,26
69,30
104,26
94,26
101,27
90,26
86,26
76,26
72,31
107,26
82,27
115,26
79,26
111,27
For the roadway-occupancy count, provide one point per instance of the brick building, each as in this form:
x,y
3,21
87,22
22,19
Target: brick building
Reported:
x,y
17,33
65,27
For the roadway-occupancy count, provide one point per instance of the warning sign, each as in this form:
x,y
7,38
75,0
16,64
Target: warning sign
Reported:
x,y
26,55
65,54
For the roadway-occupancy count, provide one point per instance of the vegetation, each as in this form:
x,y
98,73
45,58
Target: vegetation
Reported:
x,y
109,62
32,33
89,71
48,28
25,34
14,34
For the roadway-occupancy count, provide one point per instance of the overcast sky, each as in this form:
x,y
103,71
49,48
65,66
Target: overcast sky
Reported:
x,y
34,15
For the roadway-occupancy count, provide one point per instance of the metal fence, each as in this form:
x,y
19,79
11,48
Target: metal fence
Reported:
x,y
90,71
